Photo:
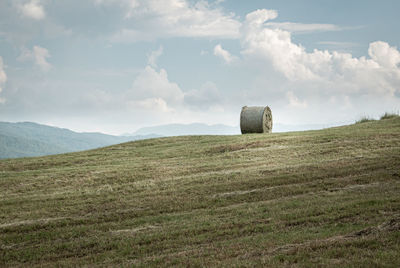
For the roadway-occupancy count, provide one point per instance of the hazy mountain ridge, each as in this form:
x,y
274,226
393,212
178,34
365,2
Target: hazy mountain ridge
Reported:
x,y
188,129
219,129
32,139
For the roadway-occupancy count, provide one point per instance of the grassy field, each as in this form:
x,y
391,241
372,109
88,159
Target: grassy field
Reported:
x,y
316,198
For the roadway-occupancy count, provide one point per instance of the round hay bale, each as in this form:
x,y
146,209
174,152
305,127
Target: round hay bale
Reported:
x,y
256,120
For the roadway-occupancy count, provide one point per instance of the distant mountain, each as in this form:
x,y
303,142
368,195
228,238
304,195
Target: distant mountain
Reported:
x,y
220,129
31,139
188,129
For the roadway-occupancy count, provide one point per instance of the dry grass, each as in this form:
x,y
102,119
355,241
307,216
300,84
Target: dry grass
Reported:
x,y
315,198
389,116
365,119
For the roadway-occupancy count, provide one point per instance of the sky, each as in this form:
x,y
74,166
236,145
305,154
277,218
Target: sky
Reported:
x,y
115,66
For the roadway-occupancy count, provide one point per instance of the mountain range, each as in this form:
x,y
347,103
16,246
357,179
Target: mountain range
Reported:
x,y
187,129
220,129
27,139
31,139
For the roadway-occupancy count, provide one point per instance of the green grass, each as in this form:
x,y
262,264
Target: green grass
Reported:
x,y
315,198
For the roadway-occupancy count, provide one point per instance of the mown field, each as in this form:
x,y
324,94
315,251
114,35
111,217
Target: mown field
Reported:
x,y
316,198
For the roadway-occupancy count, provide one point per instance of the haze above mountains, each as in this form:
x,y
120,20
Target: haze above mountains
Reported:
x,y
219,129
28,139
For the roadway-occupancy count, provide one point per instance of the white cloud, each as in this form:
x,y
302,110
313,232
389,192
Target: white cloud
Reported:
x,y
150,84
154,55
39,55
33,10
128,5
146,20
338,44
153,91
207,97
151,19
224,54
303,27
3,77
310,86
154,95
258,17
338,72
154,104
385,55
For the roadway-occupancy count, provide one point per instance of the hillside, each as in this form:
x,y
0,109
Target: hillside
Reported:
x,y
31,139
315,198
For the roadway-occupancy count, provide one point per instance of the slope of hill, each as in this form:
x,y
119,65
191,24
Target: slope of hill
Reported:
x,y
315,198
31,139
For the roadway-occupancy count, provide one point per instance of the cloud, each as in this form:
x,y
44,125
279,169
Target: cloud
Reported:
x,y
153,84
152,94
39,55
154,104
258,17
152,19
224,54
310,86
334,71
33,10
3,78
337,44
127,4
385,55
153,91
208,96
154,55
303,27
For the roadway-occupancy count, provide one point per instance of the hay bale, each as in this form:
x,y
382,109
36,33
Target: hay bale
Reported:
x,y
256,120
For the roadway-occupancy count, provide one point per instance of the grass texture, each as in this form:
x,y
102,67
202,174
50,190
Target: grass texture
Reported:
x,y
316,198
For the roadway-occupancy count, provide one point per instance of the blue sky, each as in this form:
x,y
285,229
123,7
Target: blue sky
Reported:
x,y
117,65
